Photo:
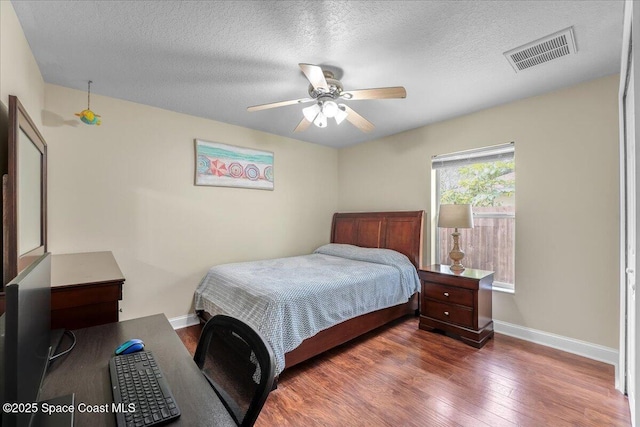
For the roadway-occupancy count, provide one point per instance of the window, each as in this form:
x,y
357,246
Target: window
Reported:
x,y
484,178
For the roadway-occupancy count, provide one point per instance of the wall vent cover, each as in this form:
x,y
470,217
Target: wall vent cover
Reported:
x,y
543,50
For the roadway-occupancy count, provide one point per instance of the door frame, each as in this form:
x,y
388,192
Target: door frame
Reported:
x,y
621,374
629,333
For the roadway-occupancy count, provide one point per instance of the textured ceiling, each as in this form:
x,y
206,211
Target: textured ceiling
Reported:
x,y
214,59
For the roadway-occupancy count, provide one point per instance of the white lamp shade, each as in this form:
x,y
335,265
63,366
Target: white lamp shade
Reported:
x,y
329,108
455,216
321,120
341,114
311,112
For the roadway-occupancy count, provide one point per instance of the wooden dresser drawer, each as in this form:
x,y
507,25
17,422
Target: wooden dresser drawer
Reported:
x,y
74,296
84,316
450,313
448,294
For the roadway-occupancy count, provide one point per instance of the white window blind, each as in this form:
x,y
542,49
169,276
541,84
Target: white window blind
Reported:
x,y
479,155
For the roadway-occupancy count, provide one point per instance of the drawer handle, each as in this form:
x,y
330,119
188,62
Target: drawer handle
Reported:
x,y
446,313
446,294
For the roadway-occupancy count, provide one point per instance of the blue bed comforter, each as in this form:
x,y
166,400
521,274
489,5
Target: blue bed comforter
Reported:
x,y
291,299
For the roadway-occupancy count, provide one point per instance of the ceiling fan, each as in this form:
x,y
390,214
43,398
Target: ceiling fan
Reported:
x,y
326,91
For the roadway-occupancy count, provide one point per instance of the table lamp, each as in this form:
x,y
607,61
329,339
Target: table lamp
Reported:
x,y
455,216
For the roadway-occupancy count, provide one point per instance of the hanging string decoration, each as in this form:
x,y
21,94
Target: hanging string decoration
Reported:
x,y
88,116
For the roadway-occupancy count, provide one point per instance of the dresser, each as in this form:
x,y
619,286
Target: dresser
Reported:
x,y
85,289
457,303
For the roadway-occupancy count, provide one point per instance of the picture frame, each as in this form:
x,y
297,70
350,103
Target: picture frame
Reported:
x,y
224,165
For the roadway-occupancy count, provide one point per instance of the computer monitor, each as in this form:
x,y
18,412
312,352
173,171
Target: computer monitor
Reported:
x,y
27,343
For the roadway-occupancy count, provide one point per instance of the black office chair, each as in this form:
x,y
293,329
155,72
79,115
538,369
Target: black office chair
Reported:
x,y
239,365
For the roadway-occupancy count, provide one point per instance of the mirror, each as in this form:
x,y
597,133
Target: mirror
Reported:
x,y
24,194
29,202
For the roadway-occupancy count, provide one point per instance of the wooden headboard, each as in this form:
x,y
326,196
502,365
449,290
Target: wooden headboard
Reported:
x,y
400,231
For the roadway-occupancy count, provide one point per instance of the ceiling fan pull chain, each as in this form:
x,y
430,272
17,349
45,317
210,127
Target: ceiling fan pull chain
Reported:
x,y
89,96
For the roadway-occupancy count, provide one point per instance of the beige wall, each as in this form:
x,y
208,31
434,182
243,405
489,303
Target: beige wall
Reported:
x,y
127,186
566,200
19,72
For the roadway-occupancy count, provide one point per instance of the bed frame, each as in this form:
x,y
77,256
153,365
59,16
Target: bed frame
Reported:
x,y
400,231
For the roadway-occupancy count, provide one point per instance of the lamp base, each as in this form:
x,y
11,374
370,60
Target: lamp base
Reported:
x,y
456,253
456,268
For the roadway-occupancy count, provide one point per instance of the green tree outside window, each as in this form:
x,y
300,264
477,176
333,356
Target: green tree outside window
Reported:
x,y
479,184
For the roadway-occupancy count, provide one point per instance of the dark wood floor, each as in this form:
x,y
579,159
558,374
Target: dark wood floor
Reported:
x,y
402,376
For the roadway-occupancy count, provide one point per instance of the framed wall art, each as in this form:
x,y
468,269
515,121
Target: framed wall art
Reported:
x,y
223,165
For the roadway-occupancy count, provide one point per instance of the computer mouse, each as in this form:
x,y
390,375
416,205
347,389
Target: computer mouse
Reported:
x,y
130,346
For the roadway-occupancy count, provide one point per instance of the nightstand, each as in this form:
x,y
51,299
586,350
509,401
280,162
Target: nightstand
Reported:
x,y
457,303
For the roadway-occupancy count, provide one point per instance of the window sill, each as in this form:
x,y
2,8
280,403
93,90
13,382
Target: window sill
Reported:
x,y
503,290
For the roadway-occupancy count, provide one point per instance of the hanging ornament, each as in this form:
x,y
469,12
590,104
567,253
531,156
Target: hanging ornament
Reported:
x,y
88,116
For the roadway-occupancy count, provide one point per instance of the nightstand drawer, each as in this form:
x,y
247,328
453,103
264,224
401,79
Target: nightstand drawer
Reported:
x,y
449,313
448,294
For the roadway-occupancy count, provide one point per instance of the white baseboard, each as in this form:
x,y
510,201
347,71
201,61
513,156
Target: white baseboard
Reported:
x,y
570,345
184,321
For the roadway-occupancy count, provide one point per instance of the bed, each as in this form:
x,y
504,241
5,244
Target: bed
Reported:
x,y
319,281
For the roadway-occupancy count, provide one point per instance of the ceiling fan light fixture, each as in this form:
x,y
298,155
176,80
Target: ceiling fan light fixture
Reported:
x,y
324,92
321,120
310,113
329,108
341,114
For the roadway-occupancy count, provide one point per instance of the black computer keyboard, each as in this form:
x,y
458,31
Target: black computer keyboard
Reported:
x,y
140,392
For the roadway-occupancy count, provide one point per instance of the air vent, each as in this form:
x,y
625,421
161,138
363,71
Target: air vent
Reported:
x,y
542,50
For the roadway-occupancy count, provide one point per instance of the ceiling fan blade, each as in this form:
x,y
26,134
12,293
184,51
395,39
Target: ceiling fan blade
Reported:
x,y
279,104
303,125
315,76
377,93
357,120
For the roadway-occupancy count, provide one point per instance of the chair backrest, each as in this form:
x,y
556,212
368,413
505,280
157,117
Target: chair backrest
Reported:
x,y
239,365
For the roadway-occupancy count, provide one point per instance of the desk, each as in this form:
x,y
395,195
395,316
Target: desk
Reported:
x,y
85,372
85,289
